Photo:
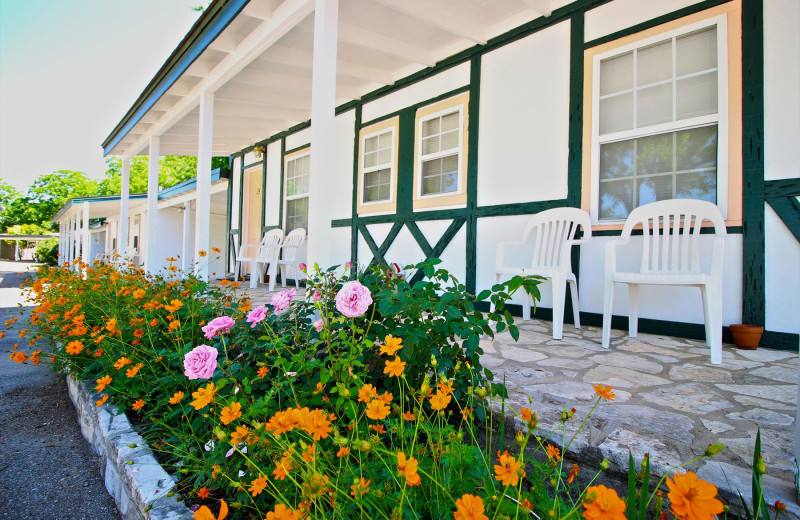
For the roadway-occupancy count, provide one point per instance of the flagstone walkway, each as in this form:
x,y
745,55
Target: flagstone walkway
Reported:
x,y
670,401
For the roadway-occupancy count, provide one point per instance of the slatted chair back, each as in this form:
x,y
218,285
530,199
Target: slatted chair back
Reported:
x,y
291,244
554,229
270,245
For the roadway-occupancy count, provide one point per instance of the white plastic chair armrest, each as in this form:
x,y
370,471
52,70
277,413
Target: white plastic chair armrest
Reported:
x,y
611,254
499,261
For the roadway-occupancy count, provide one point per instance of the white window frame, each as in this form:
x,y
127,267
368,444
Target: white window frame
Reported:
x,y
720,118
365,170
286,196
438,155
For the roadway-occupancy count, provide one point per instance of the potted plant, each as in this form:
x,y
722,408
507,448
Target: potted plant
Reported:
x,y
746,337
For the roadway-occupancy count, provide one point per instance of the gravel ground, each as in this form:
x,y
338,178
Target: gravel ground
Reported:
x,y
46,468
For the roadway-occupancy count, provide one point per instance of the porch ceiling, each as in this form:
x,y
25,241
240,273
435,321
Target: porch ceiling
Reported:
x,y
260,65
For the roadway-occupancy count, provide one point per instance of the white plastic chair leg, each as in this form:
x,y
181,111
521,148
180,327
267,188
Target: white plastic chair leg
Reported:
x,y
576,305
236,268
704,297
633,310
283,276
297,273
272,271
254,273
608,303
559,293
712,301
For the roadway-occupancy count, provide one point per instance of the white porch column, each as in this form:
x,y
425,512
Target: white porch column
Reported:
x,y
202,227
122,243
76,243
60,242
187,225
323,112
68,241
152,261
85,234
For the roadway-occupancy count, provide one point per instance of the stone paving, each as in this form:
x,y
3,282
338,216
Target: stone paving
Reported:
x,y
670,401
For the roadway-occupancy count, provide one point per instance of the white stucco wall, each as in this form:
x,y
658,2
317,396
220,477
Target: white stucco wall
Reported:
x,y
621,14
524,122
781,89
272,213
782,266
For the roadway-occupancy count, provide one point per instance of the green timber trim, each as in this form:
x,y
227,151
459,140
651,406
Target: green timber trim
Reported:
x,y
674,15
413,228
731,230
753,253
241,191
420,104
228,215
788,209
441,245
263,188
296,148
782,188
283,167
233,234
473,125
354,202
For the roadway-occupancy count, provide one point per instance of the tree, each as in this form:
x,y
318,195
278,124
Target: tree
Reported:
x,y
44,198
172,170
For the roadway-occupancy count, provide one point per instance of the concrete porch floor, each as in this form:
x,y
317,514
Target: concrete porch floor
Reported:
x,y
670,401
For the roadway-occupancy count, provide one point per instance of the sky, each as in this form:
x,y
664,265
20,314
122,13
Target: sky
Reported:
x,y
70,70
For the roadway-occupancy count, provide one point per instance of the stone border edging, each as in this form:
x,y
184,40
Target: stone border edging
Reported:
x,y
133,477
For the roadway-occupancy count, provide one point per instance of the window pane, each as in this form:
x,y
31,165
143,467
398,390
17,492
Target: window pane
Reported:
x,y
385,140
654,105
370,159
371,178
430,145
430,127
450,122
696,148
431,168
371,194
697,185
616,114
697,96
697,51
385,156
654,63
450,140
651,189
616,74
616,199
383,192
384,176
371,144
431,185
297,214
654,154
616,160
449,182
450,164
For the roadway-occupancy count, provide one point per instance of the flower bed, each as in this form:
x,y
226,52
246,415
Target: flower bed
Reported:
x,y
364,401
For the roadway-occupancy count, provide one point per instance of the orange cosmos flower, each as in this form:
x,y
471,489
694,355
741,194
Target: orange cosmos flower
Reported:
x,y
604,391
35,357
204,513
439,401
693,498
392,345
386,397
470,507
367,393
174,305
202,253
257,485
203,397
446,387
553,452
121,362
102,400
283,466
102,383
408,468
602,503
131,372
281,512
216,249
230,413
138,333
138,404
224,282
574,471
174,325
526,414
111,325
409,416
342,452
203,492
241,435
316,424
176,398
154,322
377,410
18,357
138,293
360,488
262,372
74,347
308,454
284,421
395,368
508,470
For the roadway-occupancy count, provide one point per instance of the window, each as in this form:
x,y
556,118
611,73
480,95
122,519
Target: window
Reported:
x,y
298,168
441,152
659,121
377,183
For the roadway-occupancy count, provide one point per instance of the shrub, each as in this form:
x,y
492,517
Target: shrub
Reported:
x,y
46,251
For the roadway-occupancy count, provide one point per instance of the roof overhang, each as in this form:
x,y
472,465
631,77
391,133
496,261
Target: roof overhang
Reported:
x,y
99,207
256,57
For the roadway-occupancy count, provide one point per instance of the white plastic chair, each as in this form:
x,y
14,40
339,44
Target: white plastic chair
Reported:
x,y
266,257
289,256
555,231
671,256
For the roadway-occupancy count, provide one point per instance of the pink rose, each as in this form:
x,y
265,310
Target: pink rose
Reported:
x,y
282,300
303,266
256,316
221,325
200,363
318,325
348,265
353,299
317,296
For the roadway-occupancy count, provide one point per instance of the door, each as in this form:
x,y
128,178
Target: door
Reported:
x,y
252,218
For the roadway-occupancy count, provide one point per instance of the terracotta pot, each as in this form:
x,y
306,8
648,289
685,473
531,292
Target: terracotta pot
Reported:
x,y
746,337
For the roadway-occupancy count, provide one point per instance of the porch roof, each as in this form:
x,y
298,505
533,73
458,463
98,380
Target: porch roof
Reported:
x,y
99,207
256,57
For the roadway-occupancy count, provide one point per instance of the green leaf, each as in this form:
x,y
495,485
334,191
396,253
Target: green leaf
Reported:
x,y
514,331
632,512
